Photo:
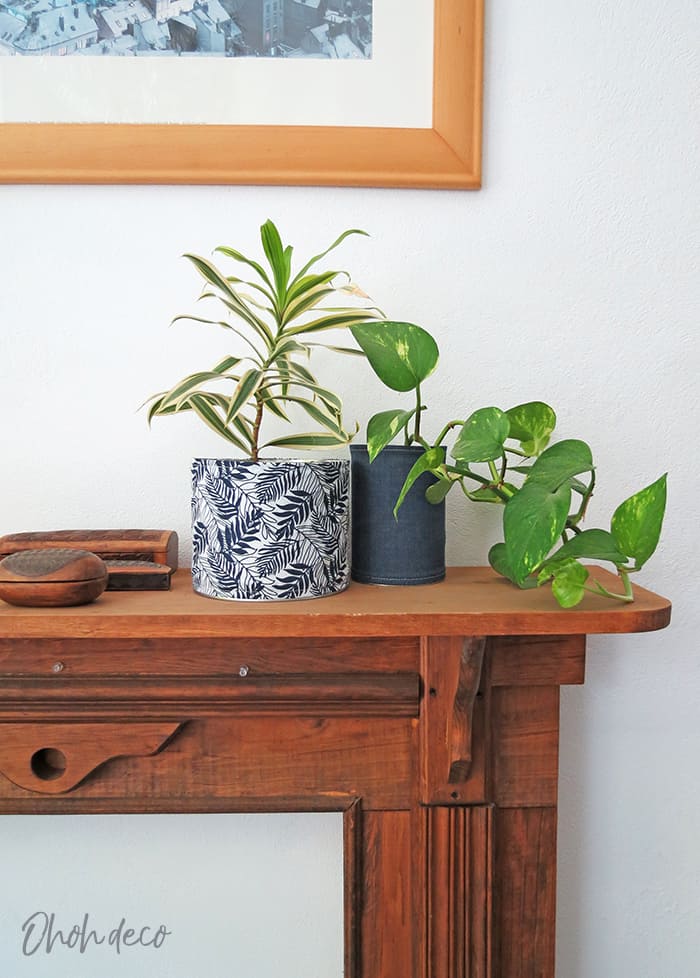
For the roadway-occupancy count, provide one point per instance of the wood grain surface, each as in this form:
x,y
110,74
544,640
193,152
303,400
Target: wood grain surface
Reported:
x,y
470,601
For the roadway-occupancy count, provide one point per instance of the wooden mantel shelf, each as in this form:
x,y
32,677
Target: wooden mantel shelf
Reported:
x,y
428,715
471,601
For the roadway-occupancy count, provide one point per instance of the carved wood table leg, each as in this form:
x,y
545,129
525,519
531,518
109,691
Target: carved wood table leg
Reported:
x,y
525,676
488,743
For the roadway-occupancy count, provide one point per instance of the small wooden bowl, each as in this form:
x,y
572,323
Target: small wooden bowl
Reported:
x,y
52,578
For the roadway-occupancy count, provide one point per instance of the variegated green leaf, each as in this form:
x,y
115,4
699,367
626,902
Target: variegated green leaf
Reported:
x,y
304,303
237,256
636,523
482,436
438,491
559,463
318,414
311,439
568,579
592,544
278,257
345,350
208,415
286,346
186,386
310,283
247,386
533,521
220,322
401,354
498,559
384,427
273,405
532,424
431,459
264,292
317,258
330,320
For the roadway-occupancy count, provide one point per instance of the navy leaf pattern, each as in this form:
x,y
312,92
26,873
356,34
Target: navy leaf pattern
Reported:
x,y
270,530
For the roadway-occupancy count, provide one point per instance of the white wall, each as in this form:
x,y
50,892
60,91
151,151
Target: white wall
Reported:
x,y
571,277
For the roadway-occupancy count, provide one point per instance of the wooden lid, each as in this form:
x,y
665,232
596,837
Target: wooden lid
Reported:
x,y
51,566
52,578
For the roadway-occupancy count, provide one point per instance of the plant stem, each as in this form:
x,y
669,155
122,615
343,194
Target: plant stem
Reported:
x,y
256,429
572,521
448,427
419,411
599,589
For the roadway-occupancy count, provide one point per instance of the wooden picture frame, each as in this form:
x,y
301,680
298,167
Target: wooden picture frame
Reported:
x,y
446,156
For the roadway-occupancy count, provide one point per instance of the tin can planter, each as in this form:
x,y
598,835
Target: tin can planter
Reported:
x,y
270,530
410,550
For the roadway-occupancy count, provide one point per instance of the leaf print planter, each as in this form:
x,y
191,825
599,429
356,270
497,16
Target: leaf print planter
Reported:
x,y
270,530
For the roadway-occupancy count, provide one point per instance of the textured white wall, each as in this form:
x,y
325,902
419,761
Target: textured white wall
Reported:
x,y
571,276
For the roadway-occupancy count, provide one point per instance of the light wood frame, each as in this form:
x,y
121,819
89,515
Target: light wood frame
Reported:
x,y
446,156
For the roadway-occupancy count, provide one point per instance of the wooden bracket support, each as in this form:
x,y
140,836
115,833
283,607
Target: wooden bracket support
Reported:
x,y
451,673
53,758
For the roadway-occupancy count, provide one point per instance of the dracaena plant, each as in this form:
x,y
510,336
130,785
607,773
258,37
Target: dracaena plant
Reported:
x,y
275,314
504,457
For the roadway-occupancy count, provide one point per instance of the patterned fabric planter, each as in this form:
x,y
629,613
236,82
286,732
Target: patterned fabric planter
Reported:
x,y
270,530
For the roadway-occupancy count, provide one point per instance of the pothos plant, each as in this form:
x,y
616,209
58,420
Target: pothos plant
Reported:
x,y
505,457
274,314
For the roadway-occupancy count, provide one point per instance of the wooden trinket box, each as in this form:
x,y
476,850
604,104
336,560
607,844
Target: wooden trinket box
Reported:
x,y
154,546
52,578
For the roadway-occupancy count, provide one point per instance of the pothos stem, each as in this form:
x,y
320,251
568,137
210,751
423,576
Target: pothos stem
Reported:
x,y
419,411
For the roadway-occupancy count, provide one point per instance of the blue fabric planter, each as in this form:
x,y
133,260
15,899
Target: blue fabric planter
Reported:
x,y
270,530
384,550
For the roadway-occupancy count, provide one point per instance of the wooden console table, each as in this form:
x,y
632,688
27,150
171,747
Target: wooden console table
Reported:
x,y
428,715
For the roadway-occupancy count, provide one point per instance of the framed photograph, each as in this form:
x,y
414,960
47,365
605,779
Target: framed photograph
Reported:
x,y
363,97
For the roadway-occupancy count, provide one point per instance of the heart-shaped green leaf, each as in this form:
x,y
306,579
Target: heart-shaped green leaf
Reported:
x,y
431,459
498,559
636,523
482,436
560,462
532,424
383,427
568,584
533,520
401,354
593,544
437,492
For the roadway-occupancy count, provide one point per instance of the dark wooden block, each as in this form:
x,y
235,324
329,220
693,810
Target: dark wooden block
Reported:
x,y
137,575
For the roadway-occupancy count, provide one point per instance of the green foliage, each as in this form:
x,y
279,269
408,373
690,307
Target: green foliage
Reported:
x,y
545,492
636,523
271,315
544,489
482,436
402,355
